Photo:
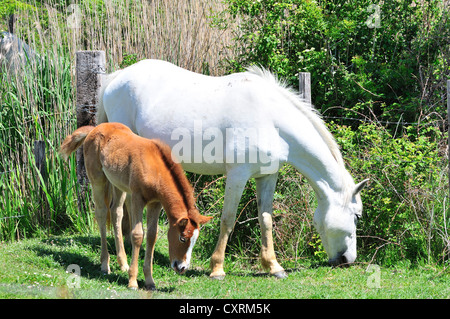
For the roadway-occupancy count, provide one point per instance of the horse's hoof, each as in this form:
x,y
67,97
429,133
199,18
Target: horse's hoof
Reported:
x,y
132,288
218,276
280,274
124,268
150,288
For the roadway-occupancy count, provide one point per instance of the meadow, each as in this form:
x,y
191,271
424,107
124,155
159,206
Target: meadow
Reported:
x,y
38,268
388,121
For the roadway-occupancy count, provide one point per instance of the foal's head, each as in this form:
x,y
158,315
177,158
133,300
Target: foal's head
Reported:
x,y
182,236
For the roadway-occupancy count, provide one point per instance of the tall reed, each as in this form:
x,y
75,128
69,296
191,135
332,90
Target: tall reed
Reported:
x,y
37,101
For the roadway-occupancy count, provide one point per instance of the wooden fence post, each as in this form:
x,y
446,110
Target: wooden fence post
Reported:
x,y
305,86
39,159
12,20
89,67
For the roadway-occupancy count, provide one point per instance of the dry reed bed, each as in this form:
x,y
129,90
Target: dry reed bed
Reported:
x,y
181,32
38,103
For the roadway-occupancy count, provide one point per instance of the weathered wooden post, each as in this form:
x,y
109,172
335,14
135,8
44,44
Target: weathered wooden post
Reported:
x,y
305,86
89,65
39,157
39,160
11,22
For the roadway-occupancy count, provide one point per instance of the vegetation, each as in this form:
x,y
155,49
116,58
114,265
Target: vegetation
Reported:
x,y
389,60
379,72
41,272
379,83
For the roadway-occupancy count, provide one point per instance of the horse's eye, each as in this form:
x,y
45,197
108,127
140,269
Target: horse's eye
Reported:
x,y
182,239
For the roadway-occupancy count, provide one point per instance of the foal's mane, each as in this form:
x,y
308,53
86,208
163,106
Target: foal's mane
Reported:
x,y
183,186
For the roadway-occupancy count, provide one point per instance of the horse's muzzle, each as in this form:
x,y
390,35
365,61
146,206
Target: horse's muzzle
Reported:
x,y
179,267
343,260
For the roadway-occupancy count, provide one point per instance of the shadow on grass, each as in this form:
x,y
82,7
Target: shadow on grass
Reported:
x,y
86,254
259,273
56,248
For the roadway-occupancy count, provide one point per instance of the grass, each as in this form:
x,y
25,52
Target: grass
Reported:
x,y
36,268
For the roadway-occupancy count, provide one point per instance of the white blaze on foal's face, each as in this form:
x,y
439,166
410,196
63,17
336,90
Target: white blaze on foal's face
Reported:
x,y
181,243
191,246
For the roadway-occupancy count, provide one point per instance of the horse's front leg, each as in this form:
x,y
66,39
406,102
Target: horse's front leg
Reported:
x,y
137,236
265,188
233,191
153,211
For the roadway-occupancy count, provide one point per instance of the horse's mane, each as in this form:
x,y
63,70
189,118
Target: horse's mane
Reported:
x,y
181,182
306,108
313,116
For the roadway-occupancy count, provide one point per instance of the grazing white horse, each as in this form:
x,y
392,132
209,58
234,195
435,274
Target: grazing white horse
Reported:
x,y
244,125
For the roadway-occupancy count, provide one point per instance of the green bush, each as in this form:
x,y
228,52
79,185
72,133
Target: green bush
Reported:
x,y
398,66
405,204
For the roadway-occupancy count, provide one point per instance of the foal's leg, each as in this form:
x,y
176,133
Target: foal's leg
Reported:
x,y
116,216
137,236
153,211
126,220
99,190
265,188
235,184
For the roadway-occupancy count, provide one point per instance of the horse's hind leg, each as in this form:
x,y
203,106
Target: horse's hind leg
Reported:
x,y
126,220
265,188
116,216
137,236
99,189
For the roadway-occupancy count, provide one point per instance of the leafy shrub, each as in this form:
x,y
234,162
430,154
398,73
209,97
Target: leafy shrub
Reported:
x,y
404,207
400,65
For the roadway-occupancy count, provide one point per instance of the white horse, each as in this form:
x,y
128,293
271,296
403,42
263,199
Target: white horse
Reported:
x,y
244,125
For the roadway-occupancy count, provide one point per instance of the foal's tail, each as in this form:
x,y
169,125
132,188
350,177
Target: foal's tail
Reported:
x,y
74,141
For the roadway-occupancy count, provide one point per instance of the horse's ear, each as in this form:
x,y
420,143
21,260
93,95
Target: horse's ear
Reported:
x,y
182,223
359,187
198,218
204,219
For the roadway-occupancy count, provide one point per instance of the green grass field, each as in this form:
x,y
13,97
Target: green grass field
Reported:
x,y
37,268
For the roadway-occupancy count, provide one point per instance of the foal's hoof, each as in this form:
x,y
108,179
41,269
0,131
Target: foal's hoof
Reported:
x,y
217,275
280,274
105,270
124,268
133,285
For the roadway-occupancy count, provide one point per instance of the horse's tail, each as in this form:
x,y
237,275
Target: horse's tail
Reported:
x,y
74,141
101,116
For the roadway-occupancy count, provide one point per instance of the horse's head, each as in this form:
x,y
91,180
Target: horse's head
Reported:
x,y
336,224
182,236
